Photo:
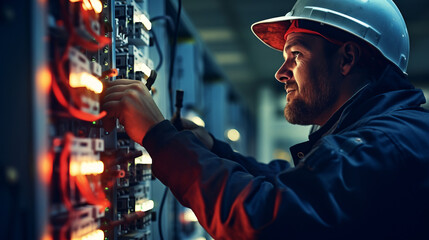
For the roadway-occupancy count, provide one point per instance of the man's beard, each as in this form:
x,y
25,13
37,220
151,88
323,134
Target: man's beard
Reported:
x,y
319,100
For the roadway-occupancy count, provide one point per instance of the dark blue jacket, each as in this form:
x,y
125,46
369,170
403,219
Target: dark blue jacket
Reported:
x,y
363,175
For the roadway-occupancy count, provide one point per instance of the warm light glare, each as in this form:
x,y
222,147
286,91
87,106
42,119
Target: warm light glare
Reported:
x,y
143,19
141,67
144,159
96,4
86,168
44,165
84,79
146,22
95,235
46,235
90,5
86,5
233,135
44,79
197,120
189,216
145,206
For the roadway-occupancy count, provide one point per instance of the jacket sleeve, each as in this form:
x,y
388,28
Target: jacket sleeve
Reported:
x,y
254,167
314,199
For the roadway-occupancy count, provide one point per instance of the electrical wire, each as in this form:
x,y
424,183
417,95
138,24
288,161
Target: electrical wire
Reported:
x,y
170,91
158,49
161,207
170,24
169,20
173,55
91,46
64,173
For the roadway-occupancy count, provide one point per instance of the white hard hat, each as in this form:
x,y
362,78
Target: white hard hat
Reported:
x,y
378,22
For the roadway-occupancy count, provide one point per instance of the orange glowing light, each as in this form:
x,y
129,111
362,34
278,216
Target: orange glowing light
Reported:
x,y
97,5
43,79
84,79
95,235
47,234
44,166
86,168
86,5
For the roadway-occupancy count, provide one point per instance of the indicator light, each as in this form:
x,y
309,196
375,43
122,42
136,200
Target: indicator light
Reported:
x,y
143,19
144,159
189,216
97,5
95,235
145,206
88,5
86,168
149,74
84,79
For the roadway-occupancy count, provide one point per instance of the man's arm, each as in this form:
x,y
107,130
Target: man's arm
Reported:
x,y
325,195
334,194
224,150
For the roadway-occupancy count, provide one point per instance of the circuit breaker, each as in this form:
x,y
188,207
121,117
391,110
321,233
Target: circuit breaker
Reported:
x,y
100,182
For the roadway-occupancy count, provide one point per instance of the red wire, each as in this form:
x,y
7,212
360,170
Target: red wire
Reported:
x,y
64,173
96,197
60,96
99,38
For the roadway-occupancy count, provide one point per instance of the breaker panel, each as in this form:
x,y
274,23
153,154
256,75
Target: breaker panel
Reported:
x,y
100,184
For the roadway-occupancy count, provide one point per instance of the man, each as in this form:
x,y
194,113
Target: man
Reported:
x,y
364,174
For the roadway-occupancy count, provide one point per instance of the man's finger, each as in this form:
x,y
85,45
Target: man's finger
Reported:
x,y
109,123
138,86
121,82
112,108
114,96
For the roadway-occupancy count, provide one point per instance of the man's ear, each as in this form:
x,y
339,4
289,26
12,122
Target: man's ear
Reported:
x,y
350,53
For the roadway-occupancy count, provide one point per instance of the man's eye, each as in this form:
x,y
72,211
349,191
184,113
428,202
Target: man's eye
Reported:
x,y
295,54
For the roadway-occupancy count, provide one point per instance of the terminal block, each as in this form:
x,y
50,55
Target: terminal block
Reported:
x,y
133,64
132,22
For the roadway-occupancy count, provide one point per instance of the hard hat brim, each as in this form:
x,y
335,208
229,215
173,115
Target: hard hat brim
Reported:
x,y
271,31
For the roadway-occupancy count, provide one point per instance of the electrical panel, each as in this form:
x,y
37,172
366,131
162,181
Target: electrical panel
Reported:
x,y
101,181
64,177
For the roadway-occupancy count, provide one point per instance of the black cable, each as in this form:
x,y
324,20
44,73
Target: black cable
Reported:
x,y
173,56
170,24
169,20
158,49
161,207
170,91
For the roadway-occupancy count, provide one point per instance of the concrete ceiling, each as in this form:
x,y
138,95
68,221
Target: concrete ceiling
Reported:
x,y
224,26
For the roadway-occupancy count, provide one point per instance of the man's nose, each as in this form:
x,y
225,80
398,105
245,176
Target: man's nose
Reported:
x,y
284,73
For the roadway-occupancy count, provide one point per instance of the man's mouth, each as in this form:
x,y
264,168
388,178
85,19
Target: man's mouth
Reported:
x,y
289,90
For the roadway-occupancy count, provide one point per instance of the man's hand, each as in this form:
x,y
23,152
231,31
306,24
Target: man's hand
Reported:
x,y
132,104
